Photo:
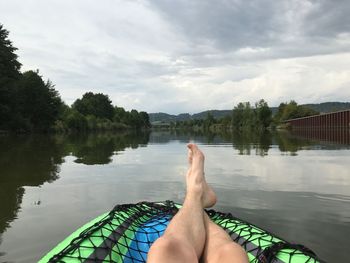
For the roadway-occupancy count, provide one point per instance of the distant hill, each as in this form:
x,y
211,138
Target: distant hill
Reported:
x,y
329,106
165,117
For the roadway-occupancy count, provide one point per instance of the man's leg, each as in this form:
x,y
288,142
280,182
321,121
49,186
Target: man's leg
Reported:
x,y
184,238
219,247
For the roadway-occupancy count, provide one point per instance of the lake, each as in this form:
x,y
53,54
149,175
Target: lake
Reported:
x,y
292,185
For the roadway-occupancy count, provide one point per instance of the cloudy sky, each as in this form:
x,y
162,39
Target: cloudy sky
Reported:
x,y
186,55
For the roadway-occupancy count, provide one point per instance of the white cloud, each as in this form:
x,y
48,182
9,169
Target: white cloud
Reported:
x,y
185,56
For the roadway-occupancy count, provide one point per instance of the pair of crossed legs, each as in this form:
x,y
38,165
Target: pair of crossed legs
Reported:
x,y
191,236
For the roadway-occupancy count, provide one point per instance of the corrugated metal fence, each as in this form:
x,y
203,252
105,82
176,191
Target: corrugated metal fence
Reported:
x,y
333,126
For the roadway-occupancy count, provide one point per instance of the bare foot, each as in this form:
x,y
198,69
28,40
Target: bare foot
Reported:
x,y
195,177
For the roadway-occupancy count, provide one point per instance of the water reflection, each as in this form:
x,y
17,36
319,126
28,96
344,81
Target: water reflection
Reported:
x,y
259,143
321,222
339,136
247,142
93,149
25,161
288,143
34,160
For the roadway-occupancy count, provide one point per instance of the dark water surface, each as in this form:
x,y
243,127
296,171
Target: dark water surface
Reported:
x,y
296,188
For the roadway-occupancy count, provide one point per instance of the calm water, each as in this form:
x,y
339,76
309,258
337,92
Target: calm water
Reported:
x,y
296,188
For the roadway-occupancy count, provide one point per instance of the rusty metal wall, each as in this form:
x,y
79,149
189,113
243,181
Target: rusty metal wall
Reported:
x,y
331,127
340,119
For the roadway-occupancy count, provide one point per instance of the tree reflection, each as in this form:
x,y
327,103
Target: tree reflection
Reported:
x,y
259,143
185,136
288,143
34,160
246,142
25,161
98,148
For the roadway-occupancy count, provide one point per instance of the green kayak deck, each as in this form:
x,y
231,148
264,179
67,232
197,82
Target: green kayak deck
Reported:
x,y
126,234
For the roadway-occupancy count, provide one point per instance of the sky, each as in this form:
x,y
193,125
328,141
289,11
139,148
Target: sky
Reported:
x,y
178,56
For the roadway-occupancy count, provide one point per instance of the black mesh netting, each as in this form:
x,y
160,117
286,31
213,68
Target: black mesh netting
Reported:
x,y
260,245
127,232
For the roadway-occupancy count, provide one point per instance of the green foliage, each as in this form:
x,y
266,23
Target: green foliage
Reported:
x,y
100,115
98,105
329,106
144,119
209,121
39,103
9,75
9,66
245,117
120,115
263,114
292,110
76,121
35,104
133,118
28,103
73,120
206,124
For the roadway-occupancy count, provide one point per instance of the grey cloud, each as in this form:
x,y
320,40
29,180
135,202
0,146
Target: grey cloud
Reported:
x,y
152,69
328,18
226,24
289,28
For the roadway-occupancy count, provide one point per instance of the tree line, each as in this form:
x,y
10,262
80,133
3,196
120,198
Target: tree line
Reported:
x,y
246,117
30,104
95,112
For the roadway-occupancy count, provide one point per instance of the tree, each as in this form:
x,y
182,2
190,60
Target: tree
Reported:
x,y
9,75
209,120
98,105
119,115
135,120
243,116
145,119
279,112
237,115
76,121
39,103
292,110
263,113
28,103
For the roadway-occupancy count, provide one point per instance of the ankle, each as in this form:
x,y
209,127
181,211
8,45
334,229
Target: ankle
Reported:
x,y
195,192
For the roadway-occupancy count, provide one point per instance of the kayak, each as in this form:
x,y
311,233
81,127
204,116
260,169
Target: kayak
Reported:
x,y
126,234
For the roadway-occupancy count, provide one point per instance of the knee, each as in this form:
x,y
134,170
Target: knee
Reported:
x,y
231,251
166,244
173,250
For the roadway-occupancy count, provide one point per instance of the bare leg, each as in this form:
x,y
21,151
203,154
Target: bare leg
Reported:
x,y
191,234
219,247
184,238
